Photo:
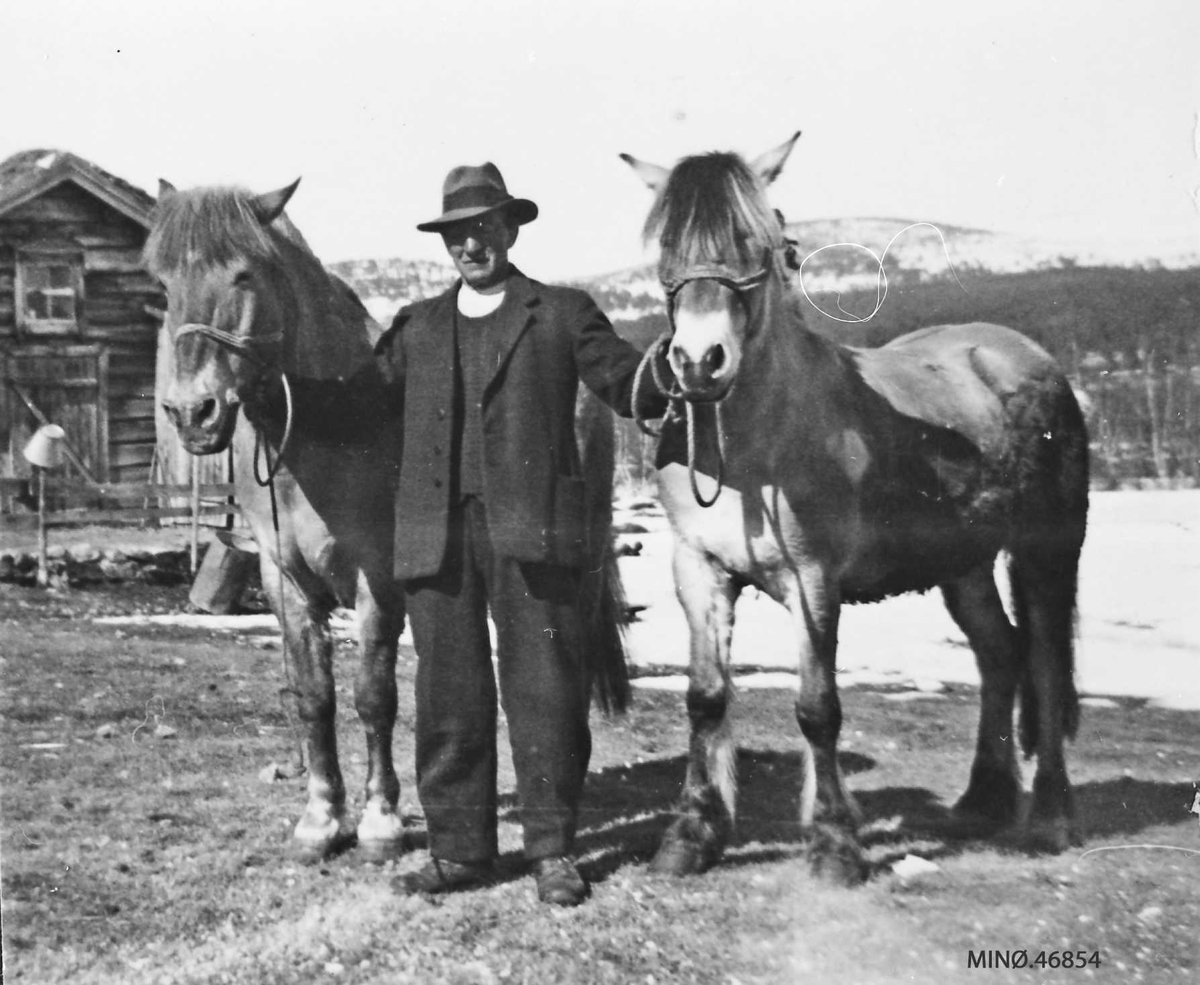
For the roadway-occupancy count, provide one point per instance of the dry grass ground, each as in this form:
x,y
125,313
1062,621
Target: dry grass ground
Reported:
x,y
140,846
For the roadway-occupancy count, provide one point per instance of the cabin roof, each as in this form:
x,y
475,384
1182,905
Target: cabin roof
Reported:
x,y
31,173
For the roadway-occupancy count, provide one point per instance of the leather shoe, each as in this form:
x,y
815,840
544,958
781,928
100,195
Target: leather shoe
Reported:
x,y
440,875
559,882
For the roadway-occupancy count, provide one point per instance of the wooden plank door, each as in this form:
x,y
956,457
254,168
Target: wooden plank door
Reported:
x,y
63,385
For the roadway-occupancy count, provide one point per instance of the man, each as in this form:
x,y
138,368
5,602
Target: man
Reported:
x,y
490,516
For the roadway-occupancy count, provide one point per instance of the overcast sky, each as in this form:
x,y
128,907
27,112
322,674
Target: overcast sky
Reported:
x,y
1062,120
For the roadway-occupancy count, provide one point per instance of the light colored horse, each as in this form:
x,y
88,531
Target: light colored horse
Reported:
x,y
246,296
824,474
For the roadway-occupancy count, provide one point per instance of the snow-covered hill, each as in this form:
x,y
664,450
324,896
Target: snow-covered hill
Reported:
x,y
837,254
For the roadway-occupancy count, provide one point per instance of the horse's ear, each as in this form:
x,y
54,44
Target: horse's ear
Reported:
x,y
652,174
165,189
768,166
270,205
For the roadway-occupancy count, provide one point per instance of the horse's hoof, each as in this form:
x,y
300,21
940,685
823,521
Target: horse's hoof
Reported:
x,y
993,798
1052,836
835,856
314,841
312,851
985,813
381,851
681,858
381,835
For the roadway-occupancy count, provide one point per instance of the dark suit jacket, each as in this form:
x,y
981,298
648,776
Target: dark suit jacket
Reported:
x,y
549,339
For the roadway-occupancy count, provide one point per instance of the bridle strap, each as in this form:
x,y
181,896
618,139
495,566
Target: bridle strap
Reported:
x,y
244,344
739,284
241,344
241,341
720,272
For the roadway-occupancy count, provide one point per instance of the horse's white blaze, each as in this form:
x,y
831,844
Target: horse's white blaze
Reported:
x,y
206,382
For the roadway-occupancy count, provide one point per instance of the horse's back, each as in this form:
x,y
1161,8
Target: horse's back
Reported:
x,y
956,376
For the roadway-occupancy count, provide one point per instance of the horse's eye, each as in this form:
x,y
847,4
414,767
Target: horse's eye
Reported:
x,y
242,278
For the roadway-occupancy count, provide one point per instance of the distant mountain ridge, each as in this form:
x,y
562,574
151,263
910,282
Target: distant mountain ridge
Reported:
x,y
837,255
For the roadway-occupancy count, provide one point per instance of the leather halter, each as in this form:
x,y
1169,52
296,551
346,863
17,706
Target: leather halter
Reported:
x,y
722,273
241,341
244,344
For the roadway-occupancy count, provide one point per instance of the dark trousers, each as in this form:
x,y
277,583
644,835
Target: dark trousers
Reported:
x,y
543,688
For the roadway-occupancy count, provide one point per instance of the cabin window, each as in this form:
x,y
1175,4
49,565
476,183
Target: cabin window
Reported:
x,y
50,289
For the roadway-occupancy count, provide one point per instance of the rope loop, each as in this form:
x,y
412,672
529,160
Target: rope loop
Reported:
x,y
261,446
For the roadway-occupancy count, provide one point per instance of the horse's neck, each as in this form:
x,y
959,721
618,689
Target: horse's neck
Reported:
x,y
329,333
785,364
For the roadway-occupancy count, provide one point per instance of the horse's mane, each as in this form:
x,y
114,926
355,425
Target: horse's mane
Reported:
x,y
712,208
214,227
220,226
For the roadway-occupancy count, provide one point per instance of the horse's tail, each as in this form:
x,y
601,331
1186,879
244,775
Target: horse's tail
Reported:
x,y
1052,472
601,598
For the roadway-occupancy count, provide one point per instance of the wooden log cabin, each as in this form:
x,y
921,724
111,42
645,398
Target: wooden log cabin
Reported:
x,y
79,323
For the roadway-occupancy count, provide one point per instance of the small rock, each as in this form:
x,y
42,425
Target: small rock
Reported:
x,y
166,732
1150,914
271,773
106,731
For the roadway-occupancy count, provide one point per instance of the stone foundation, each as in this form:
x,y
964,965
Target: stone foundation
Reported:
x,y
83,565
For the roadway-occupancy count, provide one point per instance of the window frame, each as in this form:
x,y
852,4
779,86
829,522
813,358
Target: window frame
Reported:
x,y
44,258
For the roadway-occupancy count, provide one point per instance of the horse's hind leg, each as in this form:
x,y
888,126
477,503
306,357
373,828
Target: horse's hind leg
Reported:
x,y
828,814
1044,598
308,659
993,794
704,819
1052,464
381,620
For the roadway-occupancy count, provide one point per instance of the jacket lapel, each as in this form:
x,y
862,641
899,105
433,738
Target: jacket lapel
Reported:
x,y
519,313
438,341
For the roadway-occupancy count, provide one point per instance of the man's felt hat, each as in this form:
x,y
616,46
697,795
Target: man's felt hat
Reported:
x,y
470,191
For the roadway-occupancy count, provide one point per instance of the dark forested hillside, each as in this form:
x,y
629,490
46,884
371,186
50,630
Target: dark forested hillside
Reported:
x,y
1128,335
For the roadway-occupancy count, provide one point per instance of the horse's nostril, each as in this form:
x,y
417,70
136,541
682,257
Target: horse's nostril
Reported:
x,y
715,358
206,411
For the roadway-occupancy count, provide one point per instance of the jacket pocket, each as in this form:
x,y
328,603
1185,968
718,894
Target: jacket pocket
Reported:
x,y
569,535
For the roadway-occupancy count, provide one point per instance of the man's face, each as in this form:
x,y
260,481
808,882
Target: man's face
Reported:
x,y
479,248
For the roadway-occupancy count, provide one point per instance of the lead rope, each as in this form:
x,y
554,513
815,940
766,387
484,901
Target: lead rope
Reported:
x,y
675,396
269,483
691,446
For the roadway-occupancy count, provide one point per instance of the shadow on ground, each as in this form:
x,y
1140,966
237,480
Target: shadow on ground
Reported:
x,y
627,809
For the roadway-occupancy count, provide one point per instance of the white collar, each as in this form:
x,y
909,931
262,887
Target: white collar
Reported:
x,y
473,304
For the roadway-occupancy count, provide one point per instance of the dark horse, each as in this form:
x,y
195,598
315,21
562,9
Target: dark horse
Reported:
x,y
825,474
249,301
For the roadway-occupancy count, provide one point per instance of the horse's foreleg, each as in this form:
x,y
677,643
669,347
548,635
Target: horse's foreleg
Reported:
x,y
308,657
381,620
994,791
828,813
704,821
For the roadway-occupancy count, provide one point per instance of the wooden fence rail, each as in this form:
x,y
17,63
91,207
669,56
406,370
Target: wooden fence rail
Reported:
x,y
75,503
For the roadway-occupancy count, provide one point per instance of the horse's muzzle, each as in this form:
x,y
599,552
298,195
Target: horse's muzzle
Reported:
x,y
204,425
704,379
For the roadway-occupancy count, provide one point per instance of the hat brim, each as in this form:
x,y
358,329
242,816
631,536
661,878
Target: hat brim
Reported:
x,y
520,210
